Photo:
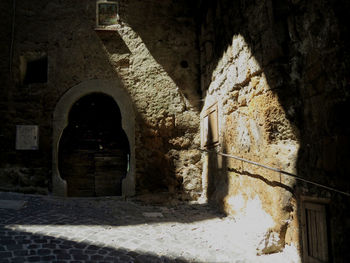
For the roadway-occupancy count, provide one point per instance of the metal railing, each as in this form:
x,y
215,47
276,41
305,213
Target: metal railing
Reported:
x,y
277,170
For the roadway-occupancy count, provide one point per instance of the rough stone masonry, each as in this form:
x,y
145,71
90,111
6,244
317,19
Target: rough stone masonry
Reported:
x,y
264,80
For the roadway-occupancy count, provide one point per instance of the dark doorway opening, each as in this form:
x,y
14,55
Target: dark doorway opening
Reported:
x,y
94,149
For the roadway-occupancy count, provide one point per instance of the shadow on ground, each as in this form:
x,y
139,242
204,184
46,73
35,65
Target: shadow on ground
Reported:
x,y
52,229
114,211
16,246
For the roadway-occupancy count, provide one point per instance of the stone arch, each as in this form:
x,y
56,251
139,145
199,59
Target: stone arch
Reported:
x,y
114,89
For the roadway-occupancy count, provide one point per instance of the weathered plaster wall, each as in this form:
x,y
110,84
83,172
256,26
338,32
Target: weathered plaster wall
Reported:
x,y
152,52
277,71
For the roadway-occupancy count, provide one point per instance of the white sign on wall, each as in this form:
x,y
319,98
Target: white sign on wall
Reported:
x,y
27,137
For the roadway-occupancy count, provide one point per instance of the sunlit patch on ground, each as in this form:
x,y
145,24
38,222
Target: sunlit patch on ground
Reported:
x,y
123,231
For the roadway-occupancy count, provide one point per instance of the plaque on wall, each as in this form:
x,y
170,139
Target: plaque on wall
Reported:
x,y
106,13
27,137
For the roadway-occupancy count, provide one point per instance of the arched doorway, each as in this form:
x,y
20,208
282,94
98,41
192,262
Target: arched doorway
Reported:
x,y
94,149
67,110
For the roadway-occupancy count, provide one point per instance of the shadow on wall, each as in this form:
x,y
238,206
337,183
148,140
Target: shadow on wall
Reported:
x,y
161,167
301,47
217,176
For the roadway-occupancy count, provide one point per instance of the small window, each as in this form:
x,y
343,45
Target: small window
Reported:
x,y
210,132
33,68
106,13
315,233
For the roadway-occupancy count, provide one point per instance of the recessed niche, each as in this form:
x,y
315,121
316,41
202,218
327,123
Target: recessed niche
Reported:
x,y
33,68
184,64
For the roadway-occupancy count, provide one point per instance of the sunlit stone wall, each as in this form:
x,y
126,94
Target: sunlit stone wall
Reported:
x,y
277,71
252,125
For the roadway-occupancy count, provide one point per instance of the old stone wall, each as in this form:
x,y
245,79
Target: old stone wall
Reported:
x,y
152,51
277,71
165,59
26,171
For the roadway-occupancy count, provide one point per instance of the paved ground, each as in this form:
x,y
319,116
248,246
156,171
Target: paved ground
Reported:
x,y
51,229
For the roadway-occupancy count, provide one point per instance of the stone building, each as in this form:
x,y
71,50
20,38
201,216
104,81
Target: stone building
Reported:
x,y
149,101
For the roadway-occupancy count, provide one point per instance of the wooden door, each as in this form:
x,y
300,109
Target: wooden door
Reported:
x,y
79,172
110,169
315,243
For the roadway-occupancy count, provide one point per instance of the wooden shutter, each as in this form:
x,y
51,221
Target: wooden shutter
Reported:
x,y
315,243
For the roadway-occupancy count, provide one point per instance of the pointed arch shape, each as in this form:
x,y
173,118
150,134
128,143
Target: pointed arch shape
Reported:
x,y
113,88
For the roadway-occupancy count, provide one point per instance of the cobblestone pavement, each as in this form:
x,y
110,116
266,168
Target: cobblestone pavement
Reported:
x,y
52,229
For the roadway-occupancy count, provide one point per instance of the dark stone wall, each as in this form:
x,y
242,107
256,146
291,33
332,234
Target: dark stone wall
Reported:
x,y
27,171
